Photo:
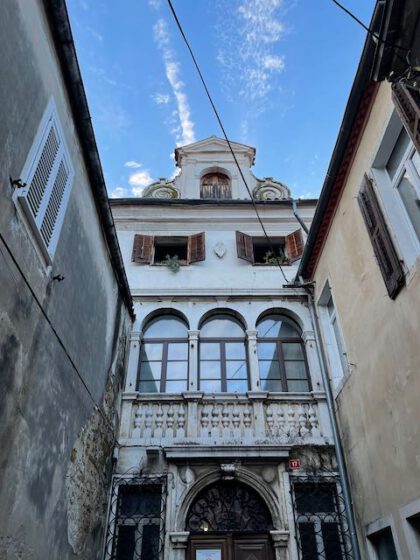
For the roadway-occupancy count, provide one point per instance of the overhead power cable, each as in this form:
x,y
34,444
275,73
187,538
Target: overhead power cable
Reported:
x,y
178,23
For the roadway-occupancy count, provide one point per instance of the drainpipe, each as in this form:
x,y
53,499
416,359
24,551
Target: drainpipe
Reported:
x,y
298,218
308,287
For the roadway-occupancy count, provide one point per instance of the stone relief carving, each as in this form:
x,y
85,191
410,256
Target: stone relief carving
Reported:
x,y
161,189
220,249
270,189
187,475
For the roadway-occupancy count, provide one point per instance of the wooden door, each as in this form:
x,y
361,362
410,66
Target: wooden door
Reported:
x,y
230,547
252,549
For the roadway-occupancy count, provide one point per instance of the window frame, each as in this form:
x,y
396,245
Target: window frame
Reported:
x,y
376,527
293,247
222,341
164,362
395,213
34,223
413,541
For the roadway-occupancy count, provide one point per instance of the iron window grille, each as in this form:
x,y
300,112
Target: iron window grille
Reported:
x,y
136,518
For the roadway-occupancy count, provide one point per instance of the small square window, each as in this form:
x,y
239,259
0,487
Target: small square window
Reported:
x,y
383,544
170,247
269,253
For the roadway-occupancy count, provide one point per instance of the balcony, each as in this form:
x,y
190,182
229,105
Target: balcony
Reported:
x,y
224,420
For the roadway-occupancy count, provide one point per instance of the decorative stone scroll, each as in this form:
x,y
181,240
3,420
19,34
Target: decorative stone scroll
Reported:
x,y
270,189
161,189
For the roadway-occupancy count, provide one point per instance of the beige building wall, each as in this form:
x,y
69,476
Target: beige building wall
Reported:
x,y
378,399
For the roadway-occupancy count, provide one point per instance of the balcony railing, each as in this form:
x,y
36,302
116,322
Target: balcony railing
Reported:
x,y
224,419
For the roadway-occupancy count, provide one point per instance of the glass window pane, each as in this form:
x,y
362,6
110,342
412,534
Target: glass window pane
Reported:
x,y
210,370
151,352
209,350
212,386
150,371
271,385
269,370
166,326
398,153
178,351
267,350
239,386
411,201
177,370
175,386
149,387
339,342
221,326
236,370
295,370
292,351
235,350
277,326
298,386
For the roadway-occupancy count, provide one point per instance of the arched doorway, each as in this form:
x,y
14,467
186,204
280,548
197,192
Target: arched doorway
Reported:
x,y
229,520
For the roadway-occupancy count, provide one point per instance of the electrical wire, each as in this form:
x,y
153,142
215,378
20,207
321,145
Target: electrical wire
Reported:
x,y
178,23
57,336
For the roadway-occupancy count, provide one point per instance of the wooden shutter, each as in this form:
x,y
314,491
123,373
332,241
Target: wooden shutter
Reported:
x,y
142,249
388,261
294,245
407,103
197,247
244,246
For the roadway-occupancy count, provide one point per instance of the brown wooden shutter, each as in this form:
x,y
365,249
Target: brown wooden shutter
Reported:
x,y
244,246
142,249
197,247
294,245
407,103
388,261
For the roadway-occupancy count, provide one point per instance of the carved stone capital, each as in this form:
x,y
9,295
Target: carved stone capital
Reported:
x,y
251,334
280,538
308,336
179,539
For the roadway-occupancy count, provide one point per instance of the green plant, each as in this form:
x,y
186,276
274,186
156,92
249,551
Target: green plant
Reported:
x,y
172,263
272,259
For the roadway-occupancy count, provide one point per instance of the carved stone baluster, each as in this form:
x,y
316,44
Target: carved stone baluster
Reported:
x,y
158,422
281,422
292,423
204,421
313,421
226,422
247,422
302,422
148,422
269,415
170,423
236,422
138,421
180,433
215,422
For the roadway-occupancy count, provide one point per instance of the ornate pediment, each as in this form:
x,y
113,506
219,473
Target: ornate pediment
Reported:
x,y
270,189
215,145
161,189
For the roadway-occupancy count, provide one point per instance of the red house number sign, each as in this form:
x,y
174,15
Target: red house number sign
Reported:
x,y
294,464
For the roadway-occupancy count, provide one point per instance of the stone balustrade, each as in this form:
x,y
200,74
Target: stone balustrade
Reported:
x,y
252,419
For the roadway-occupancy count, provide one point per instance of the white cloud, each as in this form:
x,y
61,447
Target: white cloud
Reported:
x,y
155,4
133,164
140,179
95,34
249,44
184,132
161,98
120,192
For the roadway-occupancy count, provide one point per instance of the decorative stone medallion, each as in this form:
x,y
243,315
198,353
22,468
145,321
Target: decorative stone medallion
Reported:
x,y
187,475
269,474
220,249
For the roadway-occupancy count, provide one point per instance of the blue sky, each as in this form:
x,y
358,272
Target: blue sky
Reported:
x,y
280,72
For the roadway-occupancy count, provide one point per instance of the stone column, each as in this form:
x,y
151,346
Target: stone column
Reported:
x,y
193,360
256,399
133,361
178,545
281,543
254,373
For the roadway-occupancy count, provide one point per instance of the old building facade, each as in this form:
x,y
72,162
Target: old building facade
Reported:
x,y
363,255
65,305
223,387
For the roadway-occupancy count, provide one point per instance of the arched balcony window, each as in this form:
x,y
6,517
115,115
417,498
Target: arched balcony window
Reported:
x,y
223,360
281,355
163,365
215,185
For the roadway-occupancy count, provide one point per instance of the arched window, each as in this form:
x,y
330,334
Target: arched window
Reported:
x,y
163,365
215,185
281,355
223,362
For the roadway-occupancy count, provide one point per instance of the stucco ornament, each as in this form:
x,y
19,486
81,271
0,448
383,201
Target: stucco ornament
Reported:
x,y
269,474
270,189
161,189
187,475
220,249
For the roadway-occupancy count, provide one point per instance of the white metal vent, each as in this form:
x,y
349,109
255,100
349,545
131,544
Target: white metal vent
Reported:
x,y
48,175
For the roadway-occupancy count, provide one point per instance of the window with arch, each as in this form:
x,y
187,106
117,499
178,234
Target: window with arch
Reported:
x,y
163,365
223,359
215,185
281,355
